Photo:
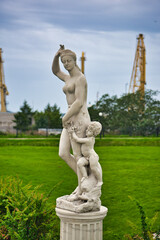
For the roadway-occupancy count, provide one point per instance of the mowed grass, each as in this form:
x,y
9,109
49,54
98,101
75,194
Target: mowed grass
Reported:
x,y
134,172
127,171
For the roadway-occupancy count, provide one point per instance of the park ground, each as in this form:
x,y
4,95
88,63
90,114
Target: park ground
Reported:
x,y
130,166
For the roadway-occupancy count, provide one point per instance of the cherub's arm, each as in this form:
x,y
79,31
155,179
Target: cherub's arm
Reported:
x,y
79,140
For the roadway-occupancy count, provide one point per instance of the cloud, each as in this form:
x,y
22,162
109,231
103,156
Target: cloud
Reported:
x,y
35,29
29,53
92,14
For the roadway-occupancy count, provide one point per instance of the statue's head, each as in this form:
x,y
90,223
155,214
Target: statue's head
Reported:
x,y
94,127
67,52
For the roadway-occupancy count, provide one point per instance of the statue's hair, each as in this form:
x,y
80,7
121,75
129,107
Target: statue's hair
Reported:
x,y
96,127
67,52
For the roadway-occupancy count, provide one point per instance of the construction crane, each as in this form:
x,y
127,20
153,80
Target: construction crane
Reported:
x,y
138,77
82,62
3,88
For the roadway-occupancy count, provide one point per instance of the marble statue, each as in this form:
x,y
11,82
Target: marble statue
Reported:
x,y
78,134
89,156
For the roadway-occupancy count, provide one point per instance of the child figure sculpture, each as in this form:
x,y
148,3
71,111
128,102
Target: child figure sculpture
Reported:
x,y
89,156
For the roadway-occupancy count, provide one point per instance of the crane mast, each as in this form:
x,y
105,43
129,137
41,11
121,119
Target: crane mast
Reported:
x,y
138,77
82,62
3,88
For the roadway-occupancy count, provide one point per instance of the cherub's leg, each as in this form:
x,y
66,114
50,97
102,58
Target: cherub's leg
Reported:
x,y
76,148
64,150
96,167
82,162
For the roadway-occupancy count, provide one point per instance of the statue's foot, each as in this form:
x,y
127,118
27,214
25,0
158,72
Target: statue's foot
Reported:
x,y
73,197
83,197
77,191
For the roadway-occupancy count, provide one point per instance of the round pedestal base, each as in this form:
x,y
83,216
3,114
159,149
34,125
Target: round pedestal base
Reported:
x,y
81,226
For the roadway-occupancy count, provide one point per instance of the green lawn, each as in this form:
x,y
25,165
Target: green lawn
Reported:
x,y
127,171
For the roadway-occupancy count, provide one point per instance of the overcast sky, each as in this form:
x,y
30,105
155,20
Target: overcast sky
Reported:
x,y
106,30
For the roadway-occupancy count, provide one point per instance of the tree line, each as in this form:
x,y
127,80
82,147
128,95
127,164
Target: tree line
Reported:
x,y
130,114
27,119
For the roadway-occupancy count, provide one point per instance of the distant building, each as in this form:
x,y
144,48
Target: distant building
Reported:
x,y
49,131
6,122
7,125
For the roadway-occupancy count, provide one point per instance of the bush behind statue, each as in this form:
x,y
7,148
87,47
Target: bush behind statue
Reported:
x,y
25,214
146,226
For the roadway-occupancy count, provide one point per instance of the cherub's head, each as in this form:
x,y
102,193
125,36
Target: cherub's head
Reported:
x,y
93,129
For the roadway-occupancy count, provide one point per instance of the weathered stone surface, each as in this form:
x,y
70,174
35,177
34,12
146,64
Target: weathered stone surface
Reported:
x,y
82,226
79,134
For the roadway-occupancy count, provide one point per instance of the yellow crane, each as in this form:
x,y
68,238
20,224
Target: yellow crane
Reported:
x,y
3,88
138,77
82,62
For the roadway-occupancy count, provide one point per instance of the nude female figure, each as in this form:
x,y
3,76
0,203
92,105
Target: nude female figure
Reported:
x,y
77,114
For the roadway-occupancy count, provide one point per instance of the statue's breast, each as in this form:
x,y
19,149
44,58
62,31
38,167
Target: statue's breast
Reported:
x,y
69,88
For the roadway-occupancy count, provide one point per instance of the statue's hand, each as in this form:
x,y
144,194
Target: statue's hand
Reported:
x,y
61,47
60,50
71,129
66,124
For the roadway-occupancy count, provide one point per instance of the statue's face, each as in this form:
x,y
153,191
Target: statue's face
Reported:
x,y
68,62
89,132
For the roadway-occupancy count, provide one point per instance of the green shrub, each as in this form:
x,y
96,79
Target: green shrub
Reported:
x,y
25,214
146,226
2,133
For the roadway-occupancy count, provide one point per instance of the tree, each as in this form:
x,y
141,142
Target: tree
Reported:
x,y
103,111
53,116
152,112
40,120
49,118
129,114
130,111
23,118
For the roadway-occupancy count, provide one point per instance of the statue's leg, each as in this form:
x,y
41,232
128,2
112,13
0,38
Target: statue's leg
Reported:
x,y
76,148
64,150
95,167
81,164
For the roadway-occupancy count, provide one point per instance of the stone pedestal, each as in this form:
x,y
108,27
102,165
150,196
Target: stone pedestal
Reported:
x,y
81,226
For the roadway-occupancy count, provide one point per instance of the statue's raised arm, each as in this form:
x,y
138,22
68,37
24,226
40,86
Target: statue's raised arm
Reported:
x,y
55,65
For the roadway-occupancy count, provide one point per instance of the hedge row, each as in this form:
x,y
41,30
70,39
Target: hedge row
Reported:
x,y
99,142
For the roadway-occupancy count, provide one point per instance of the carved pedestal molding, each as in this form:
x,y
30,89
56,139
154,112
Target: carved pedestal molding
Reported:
x,y
81,226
